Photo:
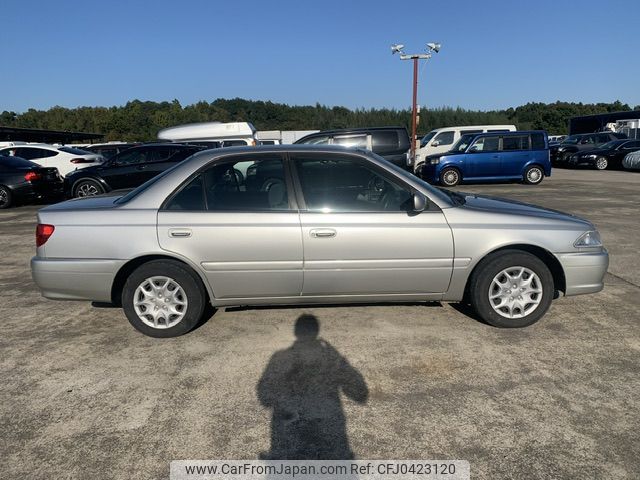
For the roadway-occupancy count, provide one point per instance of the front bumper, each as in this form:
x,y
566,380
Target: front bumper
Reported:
x,y
75,279
584,272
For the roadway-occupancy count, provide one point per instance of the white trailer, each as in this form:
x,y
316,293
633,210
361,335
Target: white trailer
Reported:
x,y
226,134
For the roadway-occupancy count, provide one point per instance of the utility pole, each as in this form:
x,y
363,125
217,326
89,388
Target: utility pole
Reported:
x,y
398,48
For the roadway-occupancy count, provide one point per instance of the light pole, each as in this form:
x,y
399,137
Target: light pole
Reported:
x,y
398,48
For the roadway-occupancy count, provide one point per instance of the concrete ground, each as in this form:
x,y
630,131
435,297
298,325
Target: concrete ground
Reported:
x,y
85,396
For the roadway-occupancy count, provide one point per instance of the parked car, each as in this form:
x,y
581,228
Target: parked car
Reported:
x,y
23,181
65,159
108,150
127,169
577,143
491,157
442,140
632,161
608,155
391,143
345,226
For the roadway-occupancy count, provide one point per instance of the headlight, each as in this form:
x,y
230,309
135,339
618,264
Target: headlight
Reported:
x,y
435,161
588,239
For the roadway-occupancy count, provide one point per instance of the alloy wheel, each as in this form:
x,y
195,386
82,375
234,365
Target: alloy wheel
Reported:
x,y
601,163
534,175
87,189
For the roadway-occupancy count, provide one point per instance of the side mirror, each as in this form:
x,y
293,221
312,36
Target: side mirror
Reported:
x,y
435,143
419,202
473,149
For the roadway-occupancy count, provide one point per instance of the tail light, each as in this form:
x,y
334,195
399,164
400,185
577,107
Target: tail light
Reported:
x,y
82,160
31,176
43,232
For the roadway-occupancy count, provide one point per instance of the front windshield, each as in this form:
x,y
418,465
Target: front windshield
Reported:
x,y
463,143
572,140
427,137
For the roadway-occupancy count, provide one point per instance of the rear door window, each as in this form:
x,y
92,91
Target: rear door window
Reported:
x,y
353,141
537,141
384,141
519,142
31,153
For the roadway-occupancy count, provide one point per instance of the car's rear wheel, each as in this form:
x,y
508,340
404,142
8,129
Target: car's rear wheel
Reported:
x,y
450,177
87,188
602,163
163,298
533,175
6,198
511,289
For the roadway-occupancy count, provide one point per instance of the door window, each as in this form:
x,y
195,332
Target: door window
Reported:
x,y
246,183
316,140
520,142
31,153
336,183
351,141
537,141
444,138
384,141
602,138
132,156
486,144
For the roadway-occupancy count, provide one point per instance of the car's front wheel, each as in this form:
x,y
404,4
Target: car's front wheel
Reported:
x,y
163,298
450,177
511,289
87,188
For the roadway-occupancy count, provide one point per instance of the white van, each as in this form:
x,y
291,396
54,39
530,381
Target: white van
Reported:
x,y
215,133
442,140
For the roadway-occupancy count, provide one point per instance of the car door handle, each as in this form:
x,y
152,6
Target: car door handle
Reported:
x,y
179,232
141,167
322,233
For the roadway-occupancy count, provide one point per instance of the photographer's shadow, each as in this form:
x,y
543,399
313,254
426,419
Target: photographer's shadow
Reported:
x,y
302,385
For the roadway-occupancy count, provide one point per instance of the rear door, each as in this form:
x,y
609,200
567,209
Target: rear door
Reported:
x,y
244,233
483,158
515,153
127,169
359,234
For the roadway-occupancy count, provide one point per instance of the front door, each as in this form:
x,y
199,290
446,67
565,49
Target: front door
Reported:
x,y
359,234
483,159
241,230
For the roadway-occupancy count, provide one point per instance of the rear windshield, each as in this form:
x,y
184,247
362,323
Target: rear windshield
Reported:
x,y
73,151
16,162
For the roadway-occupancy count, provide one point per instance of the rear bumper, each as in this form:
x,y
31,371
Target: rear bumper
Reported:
x,y
75,279
584,272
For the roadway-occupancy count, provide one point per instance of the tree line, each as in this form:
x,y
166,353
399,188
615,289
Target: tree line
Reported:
x,y
141,120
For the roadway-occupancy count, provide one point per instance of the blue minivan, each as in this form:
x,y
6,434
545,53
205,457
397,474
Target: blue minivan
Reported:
x,y
491,157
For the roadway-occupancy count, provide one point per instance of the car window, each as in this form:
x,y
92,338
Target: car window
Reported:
x,y
15,162
470,132
485,144
337,183
537,141
31,153
351,141
190,197
515,142
132,156
384,141
634,145
317,140
445,138
73,151
602,138
160,154
234,143
588,140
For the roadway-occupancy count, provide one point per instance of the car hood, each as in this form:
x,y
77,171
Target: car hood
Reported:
x,y
501,205
99,201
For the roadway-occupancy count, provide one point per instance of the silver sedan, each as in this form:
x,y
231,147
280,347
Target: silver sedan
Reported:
x,y
308,225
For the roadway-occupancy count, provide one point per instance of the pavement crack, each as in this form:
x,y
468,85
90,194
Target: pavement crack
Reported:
x,y
624,280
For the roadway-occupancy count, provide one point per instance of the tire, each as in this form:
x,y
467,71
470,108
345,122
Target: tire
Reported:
x,y
6,197
601,163
184,291
534,276
87,188
450,177
533,175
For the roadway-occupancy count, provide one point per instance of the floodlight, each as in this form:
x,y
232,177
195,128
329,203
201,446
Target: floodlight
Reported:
x,y
396,48
434,46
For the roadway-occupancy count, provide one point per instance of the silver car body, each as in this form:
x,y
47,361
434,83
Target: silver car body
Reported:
x,y
299,256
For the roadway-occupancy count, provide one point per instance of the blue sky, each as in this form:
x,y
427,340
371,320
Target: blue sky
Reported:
x,y
495,54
